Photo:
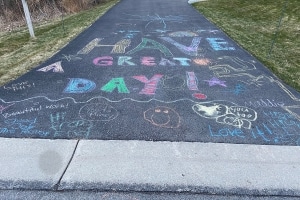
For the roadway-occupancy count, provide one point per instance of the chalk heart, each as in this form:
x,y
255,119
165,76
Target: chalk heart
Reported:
x,y
199,96
98,112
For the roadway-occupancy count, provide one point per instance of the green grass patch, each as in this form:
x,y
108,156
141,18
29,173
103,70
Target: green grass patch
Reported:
x,y
253,25
19,53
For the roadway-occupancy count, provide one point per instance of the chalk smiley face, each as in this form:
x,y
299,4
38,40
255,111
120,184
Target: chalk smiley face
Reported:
x,y
163,117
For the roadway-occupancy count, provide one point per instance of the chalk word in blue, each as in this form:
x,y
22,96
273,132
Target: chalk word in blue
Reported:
x,y
226,132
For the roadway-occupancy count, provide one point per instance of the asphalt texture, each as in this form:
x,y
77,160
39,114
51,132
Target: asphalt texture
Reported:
x,y
155,71
93,195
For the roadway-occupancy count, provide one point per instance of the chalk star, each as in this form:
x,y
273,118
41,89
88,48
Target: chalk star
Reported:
x,y
215,81
69,58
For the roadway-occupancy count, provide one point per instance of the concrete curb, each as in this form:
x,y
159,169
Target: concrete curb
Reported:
x,y
184,167
33,163
195,1
150,166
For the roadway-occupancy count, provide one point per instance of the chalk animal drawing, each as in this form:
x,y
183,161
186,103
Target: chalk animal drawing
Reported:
x,y
164,117
238,116
55,67
152,19
98,112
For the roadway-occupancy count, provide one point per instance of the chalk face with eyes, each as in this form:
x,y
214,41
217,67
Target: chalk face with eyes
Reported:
x,y
163,117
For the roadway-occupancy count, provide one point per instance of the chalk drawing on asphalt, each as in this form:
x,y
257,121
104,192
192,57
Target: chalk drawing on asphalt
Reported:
x,y
238,89
24,85
173,83
215,81
293,110
98,112
79,129
183,34
70,58
164,117
4,107
202,61
54,67
238,116
156,19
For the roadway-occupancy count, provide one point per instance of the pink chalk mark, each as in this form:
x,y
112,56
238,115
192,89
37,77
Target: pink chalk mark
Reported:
x,y
199,96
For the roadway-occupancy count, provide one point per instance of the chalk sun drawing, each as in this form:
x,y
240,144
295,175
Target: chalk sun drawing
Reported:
x,y
238,116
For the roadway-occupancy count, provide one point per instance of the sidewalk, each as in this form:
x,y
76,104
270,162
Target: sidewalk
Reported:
x,y
152,97
34,164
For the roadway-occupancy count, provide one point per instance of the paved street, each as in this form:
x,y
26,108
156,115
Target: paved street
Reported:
x,y
151,97
91,195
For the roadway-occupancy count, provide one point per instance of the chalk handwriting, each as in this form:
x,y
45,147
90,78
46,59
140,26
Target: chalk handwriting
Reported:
x,y
150,85
55,67
19,86
151,44
116,83
192,81
191,50
98,112
219,44
22,126
225,132
23,111
264,103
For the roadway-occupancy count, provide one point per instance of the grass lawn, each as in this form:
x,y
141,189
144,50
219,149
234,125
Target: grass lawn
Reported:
x,y
19,53
253,24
